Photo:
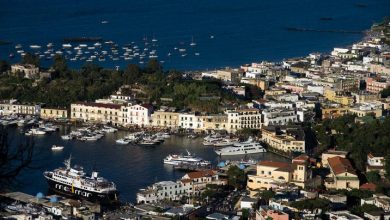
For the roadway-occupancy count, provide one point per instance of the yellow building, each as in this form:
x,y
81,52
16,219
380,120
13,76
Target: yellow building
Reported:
x,y
333,112
284,138
97,113
338,97
165,119
53,113
342,175
270,174
214,122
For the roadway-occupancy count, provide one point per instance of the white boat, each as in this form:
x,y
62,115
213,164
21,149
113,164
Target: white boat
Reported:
x,y
57,147
34,46
123,141
49,45
35,131
66,45
175,159
192,44
66,137
225,142
109,129
247,147
104,22
18,46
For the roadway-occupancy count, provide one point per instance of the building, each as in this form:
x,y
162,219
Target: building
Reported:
x,y
243,119
28,71
342,175
376,86
279,116
375,163
270,174
343,215
13,107
365,109
338,97
266,213
331,153
191,120
214,122
228,75
136,115
200,179
286,139
166,119
97,113
333,111
53,113
191,184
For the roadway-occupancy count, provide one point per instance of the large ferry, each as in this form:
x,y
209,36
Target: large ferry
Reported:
x,y
73,182
247,147
174,159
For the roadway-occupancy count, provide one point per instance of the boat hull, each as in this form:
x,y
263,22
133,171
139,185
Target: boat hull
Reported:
x,y
240,152
110,198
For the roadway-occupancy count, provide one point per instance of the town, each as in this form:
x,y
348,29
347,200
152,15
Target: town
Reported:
x,y
327,114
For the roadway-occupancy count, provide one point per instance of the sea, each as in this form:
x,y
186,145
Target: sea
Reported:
x,y
226,33
130,167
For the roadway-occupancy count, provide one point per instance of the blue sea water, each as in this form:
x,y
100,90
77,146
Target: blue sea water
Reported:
x,y
244,31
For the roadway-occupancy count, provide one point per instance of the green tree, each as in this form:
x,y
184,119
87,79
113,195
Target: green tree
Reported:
x,y
373,176
386,92
236,177
387,167
360,210
153,66
266,195
132,74
29,58
59,64
4,66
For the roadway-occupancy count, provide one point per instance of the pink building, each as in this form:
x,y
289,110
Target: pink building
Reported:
x,y
375,86
264,214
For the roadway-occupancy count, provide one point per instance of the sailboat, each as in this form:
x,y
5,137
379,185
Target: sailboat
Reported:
x,y
192,44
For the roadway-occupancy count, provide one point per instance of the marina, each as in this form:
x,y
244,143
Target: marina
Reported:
x,y
131,166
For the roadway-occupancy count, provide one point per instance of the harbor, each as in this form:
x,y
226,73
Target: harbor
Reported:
x,y
130,166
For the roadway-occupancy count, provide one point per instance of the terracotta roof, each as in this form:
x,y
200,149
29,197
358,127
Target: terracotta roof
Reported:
x,y
200,174
273,164
340,165
99,105
301,159
368,186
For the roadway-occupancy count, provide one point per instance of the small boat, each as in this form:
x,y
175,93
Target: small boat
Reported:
x,y
18,46
34,46
66,137
11,55
57,147
123,141
49,45
104,22
66,45
192,44
147,143
197,54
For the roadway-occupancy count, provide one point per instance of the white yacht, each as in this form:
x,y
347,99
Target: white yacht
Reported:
x,y
174,159
247,147
225,142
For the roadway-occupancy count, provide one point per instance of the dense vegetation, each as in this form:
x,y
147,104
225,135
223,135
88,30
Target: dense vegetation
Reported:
x,y
92,82
344,133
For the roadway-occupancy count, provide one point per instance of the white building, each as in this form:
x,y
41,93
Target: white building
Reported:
x,y
279,117
12,107
29,71
137,115
190,121
243,118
